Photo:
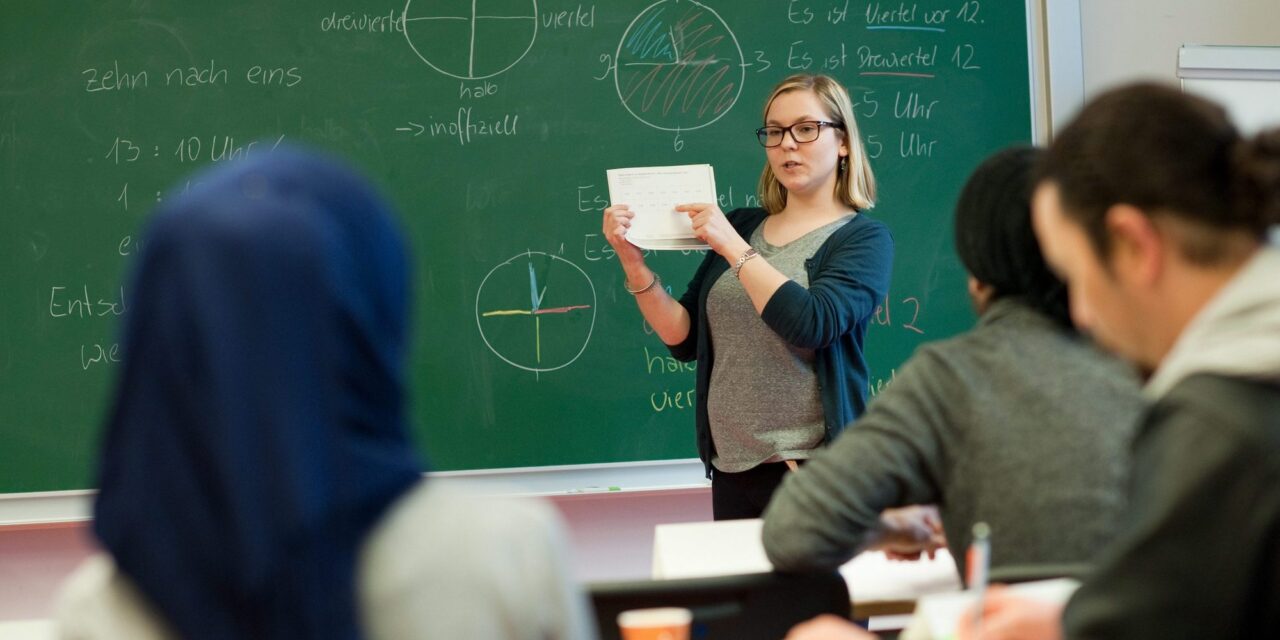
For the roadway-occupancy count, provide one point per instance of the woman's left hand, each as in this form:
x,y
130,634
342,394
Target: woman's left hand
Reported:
x,y
712,227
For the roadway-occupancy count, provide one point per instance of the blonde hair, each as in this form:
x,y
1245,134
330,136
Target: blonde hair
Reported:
x,y
855,184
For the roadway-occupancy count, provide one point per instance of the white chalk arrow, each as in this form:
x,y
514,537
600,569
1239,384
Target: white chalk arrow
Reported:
x,y
416,128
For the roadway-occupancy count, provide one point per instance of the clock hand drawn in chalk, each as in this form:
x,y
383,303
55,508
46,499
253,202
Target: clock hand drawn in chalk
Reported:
x,y
536,311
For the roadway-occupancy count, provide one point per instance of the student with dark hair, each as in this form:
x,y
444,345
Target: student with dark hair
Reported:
x,y
1155,211
257,479
1019,423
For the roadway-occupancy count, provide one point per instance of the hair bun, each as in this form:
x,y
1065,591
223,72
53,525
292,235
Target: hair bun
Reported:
x,y
1257,171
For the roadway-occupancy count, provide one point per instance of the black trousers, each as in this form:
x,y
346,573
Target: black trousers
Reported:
x,y
737,496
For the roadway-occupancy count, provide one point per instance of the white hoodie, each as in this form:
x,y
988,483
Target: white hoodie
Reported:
x,y
1236,334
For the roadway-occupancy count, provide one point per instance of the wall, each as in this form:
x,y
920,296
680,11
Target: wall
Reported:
x,y
1139,39
613,535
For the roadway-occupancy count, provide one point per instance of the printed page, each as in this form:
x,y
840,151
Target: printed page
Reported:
x,y
653,193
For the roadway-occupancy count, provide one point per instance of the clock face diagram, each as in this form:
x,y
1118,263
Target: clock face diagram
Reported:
x,y
536,311
678,66
471,39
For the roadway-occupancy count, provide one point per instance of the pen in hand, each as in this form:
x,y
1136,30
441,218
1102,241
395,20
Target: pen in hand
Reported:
x,y
977,562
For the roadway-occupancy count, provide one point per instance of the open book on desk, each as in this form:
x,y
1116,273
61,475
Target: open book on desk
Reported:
x,y
653,193
878,585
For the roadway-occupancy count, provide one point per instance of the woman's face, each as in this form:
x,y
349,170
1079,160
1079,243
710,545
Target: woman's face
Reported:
x,y
805,168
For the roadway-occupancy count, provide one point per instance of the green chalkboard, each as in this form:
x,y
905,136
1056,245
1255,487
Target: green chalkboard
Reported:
x,y
489,124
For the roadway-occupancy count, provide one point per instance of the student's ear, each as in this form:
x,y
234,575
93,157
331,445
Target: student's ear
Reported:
x,y
1137,248
980,293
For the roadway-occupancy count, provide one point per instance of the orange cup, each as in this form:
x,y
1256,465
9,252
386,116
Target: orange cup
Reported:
x,y
666,623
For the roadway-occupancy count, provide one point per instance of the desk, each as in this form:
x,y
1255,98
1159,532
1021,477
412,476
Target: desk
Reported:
x,y
879,586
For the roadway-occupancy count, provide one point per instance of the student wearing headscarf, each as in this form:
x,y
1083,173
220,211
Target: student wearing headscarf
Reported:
x,y
256,476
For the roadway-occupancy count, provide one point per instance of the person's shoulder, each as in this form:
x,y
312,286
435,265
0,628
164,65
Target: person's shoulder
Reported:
x,y
1242,409
1005,332
746,218
863,230
98,601
469,507
464,526
867,223
1013,330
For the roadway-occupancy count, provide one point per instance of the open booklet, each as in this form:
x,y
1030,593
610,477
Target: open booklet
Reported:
x,y
653,193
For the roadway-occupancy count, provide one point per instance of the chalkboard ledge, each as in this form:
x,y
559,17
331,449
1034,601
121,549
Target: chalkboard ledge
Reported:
x,y
45,509
58,508
585,479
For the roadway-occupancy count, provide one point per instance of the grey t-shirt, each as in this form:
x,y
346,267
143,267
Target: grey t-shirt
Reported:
x,y
763,402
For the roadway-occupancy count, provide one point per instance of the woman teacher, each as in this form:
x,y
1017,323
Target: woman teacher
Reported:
x,y
777,312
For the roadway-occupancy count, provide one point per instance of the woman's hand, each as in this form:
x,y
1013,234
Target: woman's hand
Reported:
x,y
712,227
617,220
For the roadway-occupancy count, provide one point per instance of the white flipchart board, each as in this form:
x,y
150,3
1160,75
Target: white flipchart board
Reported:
x,y
1246,80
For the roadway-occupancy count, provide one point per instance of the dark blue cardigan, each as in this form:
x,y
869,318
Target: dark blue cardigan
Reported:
x,y
848,277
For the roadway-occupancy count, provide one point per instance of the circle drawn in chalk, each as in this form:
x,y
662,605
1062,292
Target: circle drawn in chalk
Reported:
x,y
678,66
536,311
474,42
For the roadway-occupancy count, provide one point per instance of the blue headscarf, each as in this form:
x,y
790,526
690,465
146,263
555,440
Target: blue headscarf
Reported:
x,y
258,430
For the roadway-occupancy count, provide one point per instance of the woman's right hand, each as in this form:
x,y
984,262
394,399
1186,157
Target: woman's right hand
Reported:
x,y
617,220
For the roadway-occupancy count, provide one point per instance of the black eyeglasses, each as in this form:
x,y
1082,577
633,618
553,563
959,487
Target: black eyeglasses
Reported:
x,y
801,132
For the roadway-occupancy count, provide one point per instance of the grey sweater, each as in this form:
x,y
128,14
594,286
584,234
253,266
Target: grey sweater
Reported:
x,y
1015,423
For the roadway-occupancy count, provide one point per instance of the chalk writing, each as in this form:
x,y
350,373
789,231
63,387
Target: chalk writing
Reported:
x,y
69,303
912,145
678,66
96,353
911,107
526,291
595,248
732,199
391,22
215,148
279,76
664,363
921,57
884,14
876,385
197,76
963,57
908,316
113,79
482,89
465,127
969,12
487,38
578,18
590,199
665,399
